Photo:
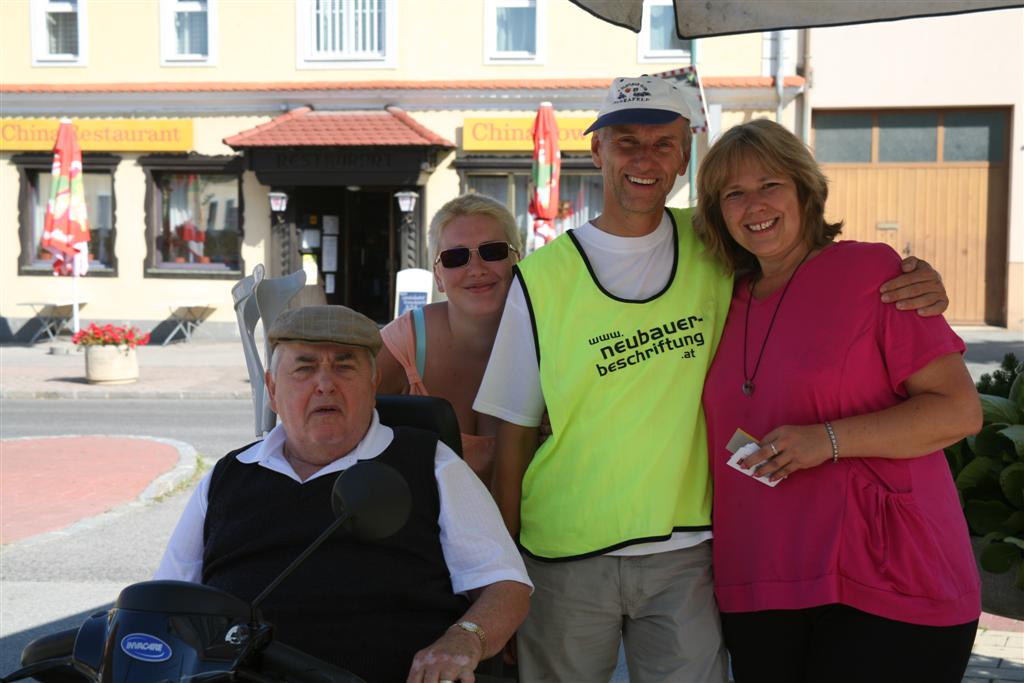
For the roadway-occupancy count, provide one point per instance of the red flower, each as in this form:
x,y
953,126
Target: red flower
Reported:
x,y
110,335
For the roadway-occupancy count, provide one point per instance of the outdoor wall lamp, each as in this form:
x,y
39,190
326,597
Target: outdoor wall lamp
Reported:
x,y
406,201
409,238
278,201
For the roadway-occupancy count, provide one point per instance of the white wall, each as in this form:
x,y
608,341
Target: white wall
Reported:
x,y
961,60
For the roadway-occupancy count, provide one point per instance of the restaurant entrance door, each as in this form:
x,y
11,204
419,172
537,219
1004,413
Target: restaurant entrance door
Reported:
x,y
351,236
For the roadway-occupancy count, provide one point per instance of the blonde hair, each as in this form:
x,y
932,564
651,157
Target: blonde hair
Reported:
x,y
473,205
781,153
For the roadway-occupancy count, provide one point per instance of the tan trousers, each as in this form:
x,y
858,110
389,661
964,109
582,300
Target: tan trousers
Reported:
x,y
661,607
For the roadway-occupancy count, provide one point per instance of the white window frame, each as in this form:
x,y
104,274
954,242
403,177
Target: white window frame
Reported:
x,y
491,54
40,39
305,58
169,39
644,53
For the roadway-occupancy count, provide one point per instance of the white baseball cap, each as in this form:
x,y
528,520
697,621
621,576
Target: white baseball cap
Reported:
x,y
648,100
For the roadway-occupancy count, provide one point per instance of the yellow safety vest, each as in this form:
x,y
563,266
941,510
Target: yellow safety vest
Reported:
x,y
622,380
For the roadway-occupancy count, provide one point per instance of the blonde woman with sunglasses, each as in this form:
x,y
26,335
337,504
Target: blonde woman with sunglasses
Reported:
x,y
442,350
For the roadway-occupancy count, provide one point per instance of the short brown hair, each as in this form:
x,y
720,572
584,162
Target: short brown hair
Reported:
x,y
780,152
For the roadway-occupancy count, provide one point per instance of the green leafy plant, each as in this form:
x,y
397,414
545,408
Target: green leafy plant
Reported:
x,y
989,473
998,382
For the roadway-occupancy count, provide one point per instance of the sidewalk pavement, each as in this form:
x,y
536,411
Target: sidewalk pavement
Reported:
x,y
216,370
196,370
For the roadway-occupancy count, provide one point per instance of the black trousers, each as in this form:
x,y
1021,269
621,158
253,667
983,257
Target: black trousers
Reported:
x,y
840,644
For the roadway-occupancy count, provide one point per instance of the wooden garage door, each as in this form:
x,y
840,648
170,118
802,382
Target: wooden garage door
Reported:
x,y
932,183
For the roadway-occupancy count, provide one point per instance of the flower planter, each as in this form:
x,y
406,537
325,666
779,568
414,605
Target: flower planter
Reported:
x,y
109,364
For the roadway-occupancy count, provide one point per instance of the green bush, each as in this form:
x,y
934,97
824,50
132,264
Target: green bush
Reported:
x,y
998,383
989,472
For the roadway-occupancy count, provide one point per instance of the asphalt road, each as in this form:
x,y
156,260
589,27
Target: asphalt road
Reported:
x,y
53,582
211,427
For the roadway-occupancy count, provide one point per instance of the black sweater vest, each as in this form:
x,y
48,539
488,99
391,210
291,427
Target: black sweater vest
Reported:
x,y
367,607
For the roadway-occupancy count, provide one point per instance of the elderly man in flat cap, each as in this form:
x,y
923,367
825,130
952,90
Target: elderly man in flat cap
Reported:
x,y
427,604
610,329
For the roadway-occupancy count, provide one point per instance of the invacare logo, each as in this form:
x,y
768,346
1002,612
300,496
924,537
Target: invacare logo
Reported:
x,y
145,647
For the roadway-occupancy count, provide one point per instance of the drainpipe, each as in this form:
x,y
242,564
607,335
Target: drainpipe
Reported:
x,y
805,98
779,76
692,175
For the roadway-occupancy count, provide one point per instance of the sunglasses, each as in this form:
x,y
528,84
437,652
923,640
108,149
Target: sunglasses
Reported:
x,y
489,251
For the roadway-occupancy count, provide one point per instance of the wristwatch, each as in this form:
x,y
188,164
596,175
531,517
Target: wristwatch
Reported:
x,y
476,630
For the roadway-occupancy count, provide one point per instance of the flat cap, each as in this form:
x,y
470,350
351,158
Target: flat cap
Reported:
x,y
326,325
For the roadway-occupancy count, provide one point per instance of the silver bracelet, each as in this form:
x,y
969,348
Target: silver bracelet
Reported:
x,y
835,444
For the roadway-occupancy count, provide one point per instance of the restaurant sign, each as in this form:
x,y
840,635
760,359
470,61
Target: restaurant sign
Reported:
x,y
513,134
100,135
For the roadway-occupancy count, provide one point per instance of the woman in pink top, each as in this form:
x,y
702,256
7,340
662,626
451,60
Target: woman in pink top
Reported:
x,y
475,242
856,566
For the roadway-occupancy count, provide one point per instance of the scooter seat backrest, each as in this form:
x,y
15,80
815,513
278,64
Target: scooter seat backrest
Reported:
x,y
429,413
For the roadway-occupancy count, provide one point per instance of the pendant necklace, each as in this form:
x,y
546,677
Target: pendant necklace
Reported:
x,y
748,380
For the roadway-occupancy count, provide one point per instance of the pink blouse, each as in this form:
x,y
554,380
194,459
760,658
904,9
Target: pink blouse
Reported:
x,y
886,536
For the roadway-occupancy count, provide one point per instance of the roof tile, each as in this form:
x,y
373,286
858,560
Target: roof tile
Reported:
x,y
304,127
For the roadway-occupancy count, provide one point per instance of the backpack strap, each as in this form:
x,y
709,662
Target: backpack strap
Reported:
x,y
420,327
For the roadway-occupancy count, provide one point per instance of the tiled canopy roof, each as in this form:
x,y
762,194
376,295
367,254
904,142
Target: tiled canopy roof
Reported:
x,y
304,127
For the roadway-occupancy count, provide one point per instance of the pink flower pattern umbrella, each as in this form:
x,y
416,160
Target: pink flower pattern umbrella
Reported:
x,y
66,226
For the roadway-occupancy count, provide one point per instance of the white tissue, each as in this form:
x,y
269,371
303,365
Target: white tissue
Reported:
x,y
743,452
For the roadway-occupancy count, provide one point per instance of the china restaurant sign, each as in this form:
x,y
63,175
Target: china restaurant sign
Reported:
x,y
100,135
513,134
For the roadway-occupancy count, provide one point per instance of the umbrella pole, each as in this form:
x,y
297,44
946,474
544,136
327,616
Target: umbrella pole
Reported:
x,y
74,298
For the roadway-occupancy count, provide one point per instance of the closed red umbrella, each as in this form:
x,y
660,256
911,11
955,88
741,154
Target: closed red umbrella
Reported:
x,y
66,226
547,164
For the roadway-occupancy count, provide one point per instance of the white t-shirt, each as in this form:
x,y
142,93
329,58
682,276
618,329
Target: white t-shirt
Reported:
x,y
634,268
474,541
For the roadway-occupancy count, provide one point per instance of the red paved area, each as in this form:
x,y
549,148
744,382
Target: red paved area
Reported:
x,y
49,483
997,623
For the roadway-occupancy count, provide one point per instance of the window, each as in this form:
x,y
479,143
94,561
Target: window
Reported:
x,y
193,216
658,40
58,32
580,195
334,34
842,137
188,32
911,137
36,182
907,136
515,31
975,136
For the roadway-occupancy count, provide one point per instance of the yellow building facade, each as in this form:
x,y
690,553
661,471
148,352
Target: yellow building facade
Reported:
x,y
191,112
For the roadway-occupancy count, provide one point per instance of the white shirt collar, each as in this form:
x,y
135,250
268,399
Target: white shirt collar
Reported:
x,y
269,453
593,236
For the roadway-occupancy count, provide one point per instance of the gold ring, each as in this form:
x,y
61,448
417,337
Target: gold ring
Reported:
x,y
771,445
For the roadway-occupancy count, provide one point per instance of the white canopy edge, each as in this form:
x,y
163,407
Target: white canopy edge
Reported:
x,y
698,19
